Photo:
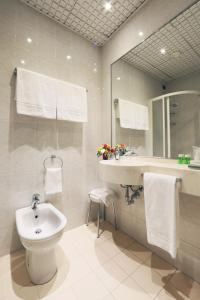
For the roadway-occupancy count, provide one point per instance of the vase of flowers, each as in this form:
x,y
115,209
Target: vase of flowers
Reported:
x,y
106,151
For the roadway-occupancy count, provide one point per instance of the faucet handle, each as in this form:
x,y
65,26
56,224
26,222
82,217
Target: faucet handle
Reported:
x,y
36,197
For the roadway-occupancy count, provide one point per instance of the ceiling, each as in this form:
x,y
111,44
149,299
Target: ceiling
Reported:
x,y
180,40
88,17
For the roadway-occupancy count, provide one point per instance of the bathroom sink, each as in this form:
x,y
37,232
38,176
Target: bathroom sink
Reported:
x,y
44,222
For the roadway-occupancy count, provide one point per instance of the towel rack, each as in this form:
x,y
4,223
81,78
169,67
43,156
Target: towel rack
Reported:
x,y
177,179
53,156
15,73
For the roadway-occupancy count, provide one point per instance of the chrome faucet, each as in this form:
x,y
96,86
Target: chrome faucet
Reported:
x,y
35,200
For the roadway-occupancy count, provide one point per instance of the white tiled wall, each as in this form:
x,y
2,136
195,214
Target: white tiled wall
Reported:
x,y
26,141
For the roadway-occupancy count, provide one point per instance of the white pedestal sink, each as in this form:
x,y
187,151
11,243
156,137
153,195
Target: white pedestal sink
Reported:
x,y
39,232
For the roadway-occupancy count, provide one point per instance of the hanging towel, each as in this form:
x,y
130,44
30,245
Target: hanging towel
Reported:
x,y
35,94
102,195
71,102
133,115
161,207
53,181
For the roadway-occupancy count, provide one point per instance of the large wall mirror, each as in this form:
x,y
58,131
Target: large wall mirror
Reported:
x,y
160,76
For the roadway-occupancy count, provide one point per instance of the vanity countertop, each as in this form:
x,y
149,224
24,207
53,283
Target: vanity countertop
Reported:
x,y
129,170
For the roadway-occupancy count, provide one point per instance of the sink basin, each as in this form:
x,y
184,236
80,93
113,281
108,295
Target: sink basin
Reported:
x,y
44,222
40,230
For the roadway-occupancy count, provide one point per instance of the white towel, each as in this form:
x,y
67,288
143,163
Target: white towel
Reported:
x,y
102,195
71,102
53,181
161,205
133,115
35,94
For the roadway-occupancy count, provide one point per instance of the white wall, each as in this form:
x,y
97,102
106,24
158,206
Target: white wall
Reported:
x,y
136,86
26,141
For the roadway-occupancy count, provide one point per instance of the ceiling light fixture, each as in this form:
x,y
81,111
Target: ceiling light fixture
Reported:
x,y
163,51
107,5
22,62
140,33
29,40
68,57
118,78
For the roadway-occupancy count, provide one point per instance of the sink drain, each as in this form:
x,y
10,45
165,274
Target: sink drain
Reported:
x,y
38,230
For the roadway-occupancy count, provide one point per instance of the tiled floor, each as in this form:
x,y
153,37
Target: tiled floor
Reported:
x,y
114,267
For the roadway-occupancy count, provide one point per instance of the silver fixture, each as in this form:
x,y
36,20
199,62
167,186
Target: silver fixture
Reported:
x,y
35,201
52,157
136,191
99,214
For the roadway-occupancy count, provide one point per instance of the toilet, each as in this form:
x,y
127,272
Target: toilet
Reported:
x,y
39,231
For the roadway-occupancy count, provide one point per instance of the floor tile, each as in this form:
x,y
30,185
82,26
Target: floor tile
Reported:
x,y
169,292
130,290
149,280
110,248
127,261
140,251
68,294
160,265
186,285
95,257
90,288
111,275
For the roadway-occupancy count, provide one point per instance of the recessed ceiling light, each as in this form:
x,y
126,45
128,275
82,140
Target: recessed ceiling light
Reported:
x,y
140,33
29,40
68,57
163,51
107,5
118,78
95,70
22,61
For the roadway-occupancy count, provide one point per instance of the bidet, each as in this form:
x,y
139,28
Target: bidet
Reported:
x,y
39,230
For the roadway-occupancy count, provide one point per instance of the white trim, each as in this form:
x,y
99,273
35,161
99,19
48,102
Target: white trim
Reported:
x,y
176,94
168,129
163,115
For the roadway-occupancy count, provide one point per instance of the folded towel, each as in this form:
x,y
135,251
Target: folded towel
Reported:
x,y
71,102
133,115
35,94
53,181
102,195
161,202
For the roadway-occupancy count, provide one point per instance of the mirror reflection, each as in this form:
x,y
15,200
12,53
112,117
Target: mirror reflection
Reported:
x,y
156,90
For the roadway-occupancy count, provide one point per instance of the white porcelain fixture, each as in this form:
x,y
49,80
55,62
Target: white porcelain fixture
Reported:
x,y
128,170
40,229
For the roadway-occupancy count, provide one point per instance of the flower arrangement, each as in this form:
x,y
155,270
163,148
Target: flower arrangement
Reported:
x,y
106,151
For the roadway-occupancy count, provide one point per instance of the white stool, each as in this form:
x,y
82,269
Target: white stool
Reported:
x,y
106,197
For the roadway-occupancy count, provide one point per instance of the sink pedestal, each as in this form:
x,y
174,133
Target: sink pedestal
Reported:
x,y
41,266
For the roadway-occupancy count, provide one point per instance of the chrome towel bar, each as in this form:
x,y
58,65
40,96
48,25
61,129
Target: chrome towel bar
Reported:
x,y
53,156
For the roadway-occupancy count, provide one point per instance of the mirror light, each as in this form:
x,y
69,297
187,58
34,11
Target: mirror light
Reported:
x,y
29,40
107,5
163,51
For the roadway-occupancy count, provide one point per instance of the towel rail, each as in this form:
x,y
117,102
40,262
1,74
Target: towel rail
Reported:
x,y
53,156
178,179
15,73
